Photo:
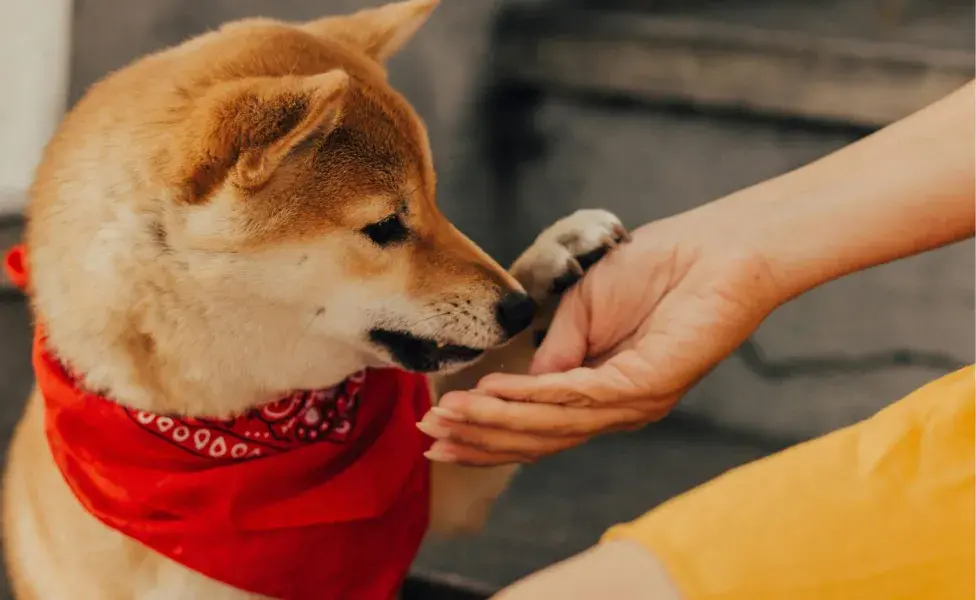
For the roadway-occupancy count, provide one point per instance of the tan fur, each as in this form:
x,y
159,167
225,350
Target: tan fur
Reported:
x,y
195,247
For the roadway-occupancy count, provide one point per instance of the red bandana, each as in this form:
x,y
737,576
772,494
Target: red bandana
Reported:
x,y
322,494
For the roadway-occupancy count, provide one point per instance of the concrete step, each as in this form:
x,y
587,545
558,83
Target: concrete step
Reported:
x,y
833,61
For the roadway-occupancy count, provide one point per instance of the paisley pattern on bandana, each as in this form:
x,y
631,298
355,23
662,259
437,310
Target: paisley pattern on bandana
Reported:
x,y
301,418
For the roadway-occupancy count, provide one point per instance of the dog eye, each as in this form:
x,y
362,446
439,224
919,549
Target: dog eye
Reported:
x,y
388,231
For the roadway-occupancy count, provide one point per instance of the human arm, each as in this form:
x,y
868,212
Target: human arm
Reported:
x,y
652,318
618,569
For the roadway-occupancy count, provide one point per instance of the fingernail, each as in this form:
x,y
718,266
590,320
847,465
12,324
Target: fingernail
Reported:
x,y
432,429
439,455
446,413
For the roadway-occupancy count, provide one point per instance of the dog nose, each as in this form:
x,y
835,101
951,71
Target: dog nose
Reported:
x,y
515,312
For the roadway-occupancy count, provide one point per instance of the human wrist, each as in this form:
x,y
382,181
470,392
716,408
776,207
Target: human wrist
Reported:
x,y
783,227
745,236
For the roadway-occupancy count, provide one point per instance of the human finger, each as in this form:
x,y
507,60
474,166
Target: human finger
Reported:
x,y
565,344
496,440
449,452
624,378
543,419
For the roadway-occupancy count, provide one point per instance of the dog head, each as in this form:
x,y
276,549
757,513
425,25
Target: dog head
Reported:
x,y
266,212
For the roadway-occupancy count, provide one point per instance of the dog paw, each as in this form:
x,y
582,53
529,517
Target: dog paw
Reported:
x,y
562,253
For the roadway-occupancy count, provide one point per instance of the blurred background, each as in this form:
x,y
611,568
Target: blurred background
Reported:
x,y
648,108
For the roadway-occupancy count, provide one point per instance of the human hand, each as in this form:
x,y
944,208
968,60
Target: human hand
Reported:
x,y
626,343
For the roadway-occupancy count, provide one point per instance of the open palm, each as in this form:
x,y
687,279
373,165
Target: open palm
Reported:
x,y
626,343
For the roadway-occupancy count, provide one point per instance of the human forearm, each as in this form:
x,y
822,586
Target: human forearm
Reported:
x,y
617,569
904,190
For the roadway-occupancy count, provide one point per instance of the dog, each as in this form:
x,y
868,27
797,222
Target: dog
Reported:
x,y
245,298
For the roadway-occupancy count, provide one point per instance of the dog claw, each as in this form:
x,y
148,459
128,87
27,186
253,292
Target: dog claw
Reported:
x,y
622,236
574,272
610,241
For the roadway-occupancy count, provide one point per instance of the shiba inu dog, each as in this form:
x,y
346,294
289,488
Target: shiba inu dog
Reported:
x,y
245,298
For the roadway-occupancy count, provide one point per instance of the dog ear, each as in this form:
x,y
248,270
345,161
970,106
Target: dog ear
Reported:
x,y
245,129
379,32
285,116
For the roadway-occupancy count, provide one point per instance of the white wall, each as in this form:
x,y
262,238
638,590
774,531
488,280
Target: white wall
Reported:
x,y
35,42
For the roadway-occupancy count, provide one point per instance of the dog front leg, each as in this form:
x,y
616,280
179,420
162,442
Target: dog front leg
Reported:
x,y
461,496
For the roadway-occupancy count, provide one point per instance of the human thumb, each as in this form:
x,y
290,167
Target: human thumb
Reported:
x,y
565,344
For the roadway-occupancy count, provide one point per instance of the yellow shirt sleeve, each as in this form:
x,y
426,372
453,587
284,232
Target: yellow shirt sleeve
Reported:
x,y
883,509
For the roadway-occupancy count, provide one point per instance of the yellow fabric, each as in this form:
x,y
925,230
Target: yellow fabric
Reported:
x,y
883,509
